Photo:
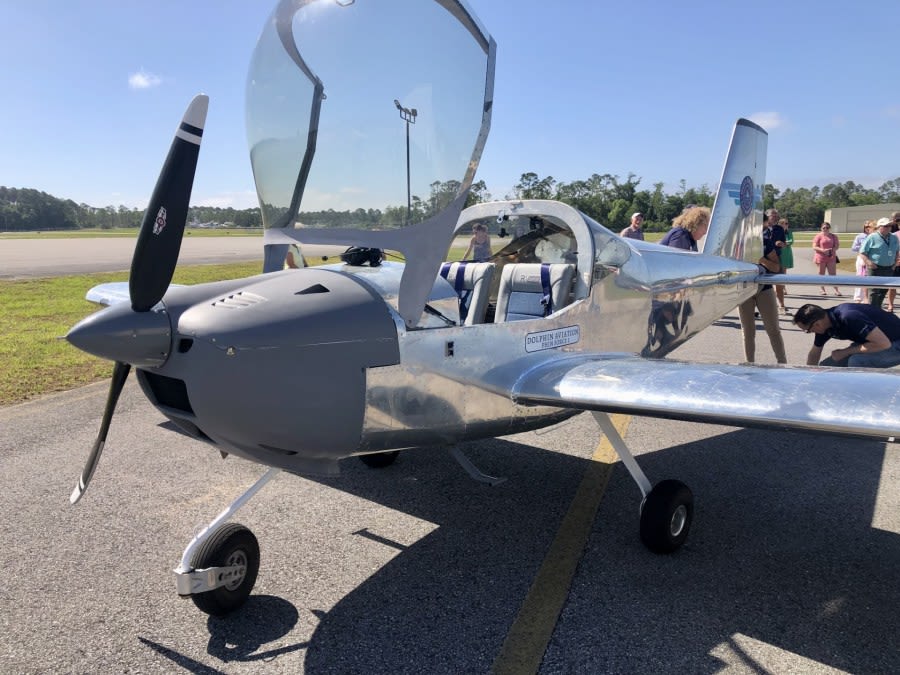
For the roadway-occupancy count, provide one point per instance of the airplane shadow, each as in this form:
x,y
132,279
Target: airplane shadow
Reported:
x,y
263,619
782,550
238,637
445,603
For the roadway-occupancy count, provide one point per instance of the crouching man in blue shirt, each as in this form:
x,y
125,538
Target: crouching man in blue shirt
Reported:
x,y
875,335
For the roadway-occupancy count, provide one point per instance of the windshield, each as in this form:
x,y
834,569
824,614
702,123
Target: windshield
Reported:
x,y
365,114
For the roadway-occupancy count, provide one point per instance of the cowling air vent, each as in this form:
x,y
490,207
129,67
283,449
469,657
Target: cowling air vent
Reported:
x,y
315,288
239,300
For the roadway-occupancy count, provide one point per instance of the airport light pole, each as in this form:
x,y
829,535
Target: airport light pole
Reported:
x,y
409,116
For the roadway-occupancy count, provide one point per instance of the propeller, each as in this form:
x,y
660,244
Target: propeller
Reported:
x,y
162,228
120,374
153,262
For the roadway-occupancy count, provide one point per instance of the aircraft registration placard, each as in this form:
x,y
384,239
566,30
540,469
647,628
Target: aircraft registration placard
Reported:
x,y
548,339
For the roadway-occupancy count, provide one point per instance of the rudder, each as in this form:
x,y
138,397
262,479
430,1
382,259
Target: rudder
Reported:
x,y
735,229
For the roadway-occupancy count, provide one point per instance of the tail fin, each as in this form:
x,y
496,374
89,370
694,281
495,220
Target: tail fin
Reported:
x,y
735,229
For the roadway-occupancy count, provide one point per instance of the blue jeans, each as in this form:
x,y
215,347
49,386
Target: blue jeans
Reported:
x,y
886,358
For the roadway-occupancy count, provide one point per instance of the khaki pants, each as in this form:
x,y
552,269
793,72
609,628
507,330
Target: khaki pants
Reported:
x,y
765,302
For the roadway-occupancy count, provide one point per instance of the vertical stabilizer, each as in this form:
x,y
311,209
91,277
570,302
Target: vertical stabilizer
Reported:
x,y
735,229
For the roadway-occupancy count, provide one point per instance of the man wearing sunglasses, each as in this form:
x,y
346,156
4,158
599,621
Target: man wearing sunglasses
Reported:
x,y
875,335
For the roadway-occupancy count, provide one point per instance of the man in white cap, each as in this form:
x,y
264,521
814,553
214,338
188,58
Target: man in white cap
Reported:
x,y
634,230
880,251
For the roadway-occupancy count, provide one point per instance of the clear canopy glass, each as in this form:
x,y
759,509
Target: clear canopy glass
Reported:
x,y
366,114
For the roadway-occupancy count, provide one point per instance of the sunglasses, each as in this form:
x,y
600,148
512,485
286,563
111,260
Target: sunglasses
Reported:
x,y
809,328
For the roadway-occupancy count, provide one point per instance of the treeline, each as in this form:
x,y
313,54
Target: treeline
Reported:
x,y
606,198
611,201
23,209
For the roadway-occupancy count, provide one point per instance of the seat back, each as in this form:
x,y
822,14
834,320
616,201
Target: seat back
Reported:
x,y
530,290
472,283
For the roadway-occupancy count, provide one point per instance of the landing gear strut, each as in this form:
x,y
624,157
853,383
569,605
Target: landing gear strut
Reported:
x,y
667,509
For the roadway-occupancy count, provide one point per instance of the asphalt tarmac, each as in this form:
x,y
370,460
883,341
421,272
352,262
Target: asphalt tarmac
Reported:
x,y
791,564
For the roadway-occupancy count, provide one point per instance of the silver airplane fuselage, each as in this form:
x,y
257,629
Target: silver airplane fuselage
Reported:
x,y
301,368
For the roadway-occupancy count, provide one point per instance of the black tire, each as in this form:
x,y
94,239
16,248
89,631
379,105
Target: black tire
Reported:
x,y
231,544
380,459
666,516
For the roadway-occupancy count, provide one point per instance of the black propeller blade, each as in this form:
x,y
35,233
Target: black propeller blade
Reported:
x,y
155,253
159,241
120,374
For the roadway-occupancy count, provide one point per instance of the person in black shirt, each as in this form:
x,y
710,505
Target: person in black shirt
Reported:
x,y
875,335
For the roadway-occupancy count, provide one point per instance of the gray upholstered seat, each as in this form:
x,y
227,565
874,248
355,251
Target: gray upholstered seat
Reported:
x,y
472,282
524,294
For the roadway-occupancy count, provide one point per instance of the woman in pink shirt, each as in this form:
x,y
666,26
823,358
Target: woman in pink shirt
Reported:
x,y
825,246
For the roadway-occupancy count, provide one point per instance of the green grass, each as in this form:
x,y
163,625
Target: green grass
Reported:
x,y
34,314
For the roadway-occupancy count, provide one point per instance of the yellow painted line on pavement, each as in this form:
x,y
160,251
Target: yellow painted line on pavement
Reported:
x,y
528,637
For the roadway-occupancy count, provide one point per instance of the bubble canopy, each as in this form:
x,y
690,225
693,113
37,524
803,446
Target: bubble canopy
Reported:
x,y
366,109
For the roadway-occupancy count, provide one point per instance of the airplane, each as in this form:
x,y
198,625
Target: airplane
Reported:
x,y
566,317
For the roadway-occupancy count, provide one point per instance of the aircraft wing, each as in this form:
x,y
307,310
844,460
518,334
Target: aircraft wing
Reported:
x,y
846,401
113,293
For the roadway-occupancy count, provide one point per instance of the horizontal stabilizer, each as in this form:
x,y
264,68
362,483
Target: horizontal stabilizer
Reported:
x,y
837,280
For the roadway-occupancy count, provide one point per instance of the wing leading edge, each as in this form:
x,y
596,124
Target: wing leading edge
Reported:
x,y
843,401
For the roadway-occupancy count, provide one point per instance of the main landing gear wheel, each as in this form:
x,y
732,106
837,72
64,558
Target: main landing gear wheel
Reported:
x,y
666,516
232,545
381,459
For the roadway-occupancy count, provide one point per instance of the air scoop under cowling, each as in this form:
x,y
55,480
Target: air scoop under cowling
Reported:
x,y
118,333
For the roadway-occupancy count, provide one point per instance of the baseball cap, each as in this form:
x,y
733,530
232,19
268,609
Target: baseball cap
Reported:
x,y
637,214
883,221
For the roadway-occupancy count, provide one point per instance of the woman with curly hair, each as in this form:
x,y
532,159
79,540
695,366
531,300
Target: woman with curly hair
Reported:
x,y
688,228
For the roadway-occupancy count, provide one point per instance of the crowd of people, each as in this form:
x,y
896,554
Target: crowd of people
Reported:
x,y
874,333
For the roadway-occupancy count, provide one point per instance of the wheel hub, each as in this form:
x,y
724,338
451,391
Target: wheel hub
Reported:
x,y
238,561
679,518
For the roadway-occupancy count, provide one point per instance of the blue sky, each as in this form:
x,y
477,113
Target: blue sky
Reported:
x,y
93,91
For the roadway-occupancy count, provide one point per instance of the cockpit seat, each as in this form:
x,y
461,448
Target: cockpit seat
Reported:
x,y
531,290
472,283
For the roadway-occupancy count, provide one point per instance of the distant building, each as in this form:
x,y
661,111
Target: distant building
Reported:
x,y
851,218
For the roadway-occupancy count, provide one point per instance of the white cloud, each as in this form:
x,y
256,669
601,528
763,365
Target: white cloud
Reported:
x,y
236,200
143,80
768,120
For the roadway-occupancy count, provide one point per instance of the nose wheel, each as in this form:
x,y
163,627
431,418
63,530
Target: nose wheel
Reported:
x,y
232,556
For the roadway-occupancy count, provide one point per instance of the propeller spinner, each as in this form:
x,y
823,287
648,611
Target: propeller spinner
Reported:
x,y
152,267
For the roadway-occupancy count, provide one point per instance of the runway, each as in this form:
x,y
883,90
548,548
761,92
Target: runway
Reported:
x,y
790,565
37,258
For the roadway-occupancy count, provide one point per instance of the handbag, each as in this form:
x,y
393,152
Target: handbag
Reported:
x,y
770,265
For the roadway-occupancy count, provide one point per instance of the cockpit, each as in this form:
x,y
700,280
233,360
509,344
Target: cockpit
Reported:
x,y
544,257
